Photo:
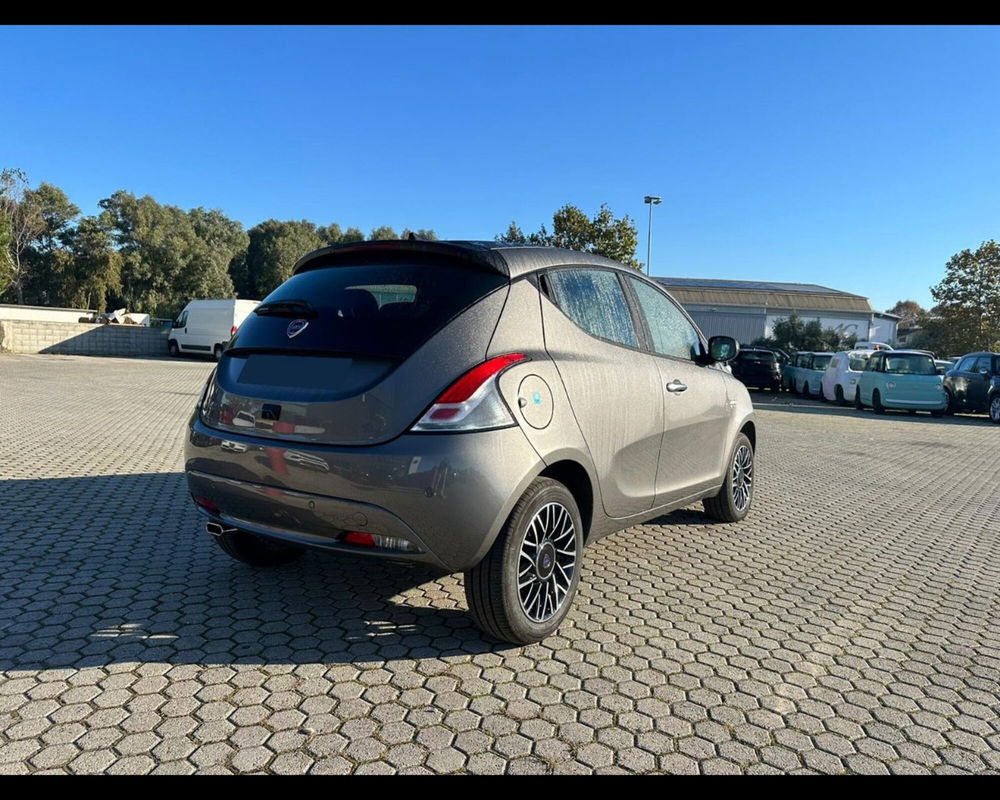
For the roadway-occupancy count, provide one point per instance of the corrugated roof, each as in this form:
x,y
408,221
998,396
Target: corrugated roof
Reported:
x,y
752,286
759,294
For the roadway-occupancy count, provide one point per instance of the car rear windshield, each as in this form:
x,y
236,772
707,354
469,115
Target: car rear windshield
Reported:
x,y
910,364
857,362
821,362
757,355
372,310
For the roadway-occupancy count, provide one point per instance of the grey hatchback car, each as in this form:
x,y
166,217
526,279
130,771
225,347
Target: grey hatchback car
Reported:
x,y
472,406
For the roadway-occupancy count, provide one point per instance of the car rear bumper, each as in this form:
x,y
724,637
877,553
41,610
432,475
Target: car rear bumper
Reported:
x,y
933,404
446,495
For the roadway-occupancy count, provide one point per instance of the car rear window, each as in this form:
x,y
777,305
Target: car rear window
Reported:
x,y
371,310
757,355
857,362
910,364
821,362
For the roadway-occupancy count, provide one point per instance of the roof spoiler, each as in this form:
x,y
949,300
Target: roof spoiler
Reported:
x,y
356,253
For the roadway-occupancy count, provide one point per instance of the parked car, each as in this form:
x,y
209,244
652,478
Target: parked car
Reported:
x,y
534,399
757,368
204,326
942,366
840,381
809,371
904,379
780,354
790,369
973,384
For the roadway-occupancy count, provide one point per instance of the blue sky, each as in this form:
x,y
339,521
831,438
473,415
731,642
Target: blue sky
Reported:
x,y
858,158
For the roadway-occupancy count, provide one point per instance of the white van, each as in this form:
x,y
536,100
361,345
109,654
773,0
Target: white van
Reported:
x,y
840,381
204,326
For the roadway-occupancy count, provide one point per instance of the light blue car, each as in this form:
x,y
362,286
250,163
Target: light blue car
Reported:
x,y
808,379
904,379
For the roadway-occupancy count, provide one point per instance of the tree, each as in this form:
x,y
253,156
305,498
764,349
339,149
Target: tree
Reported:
x,y
22,223
93,275
382,233
910,312
274,247
169,255
794,334
425,234
47,256
571,228
968,310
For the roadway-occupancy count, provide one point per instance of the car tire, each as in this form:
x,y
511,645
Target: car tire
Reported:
x,y
952,407
735,496
937,414
217,351
857,399
838,394
526,611
256,551
172,349
877,402
994,409
805,389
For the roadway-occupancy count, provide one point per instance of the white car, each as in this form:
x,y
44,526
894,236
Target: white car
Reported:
x,y
205,326
840,381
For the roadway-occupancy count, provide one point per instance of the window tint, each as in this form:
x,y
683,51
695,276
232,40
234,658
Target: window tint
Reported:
x,y
821,362
594,300
965,365
672,334
182,320
386,310
874,364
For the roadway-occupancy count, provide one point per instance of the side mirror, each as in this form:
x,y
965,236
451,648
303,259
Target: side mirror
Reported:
x,y
722,349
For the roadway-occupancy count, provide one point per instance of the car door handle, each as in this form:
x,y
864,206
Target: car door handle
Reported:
x,y
676,386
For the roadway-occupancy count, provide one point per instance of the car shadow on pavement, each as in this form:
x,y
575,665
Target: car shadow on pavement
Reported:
x,y
118,568
800,405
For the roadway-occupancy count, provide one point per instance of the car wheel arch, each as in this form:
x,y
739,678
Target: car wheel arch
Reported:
x,y
575,477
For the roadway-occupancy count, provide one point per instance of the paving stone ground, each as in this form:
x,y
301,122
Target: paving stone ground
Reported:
x,y
850,624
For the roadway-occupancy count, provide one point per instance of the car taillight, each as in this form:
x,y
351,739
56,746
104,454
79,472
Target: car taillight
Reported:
x,y
472,403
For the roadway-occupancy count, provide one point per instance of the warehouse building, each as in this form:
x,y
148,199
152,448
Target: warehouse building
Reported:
x,y
747,310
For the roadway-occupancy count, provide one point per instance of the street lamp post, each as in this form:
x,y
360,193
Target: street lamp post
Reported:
x,y
650,200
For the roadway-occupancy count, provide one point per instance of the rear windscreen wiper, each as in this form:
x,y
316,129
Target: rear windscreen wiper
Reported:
x,y
285,308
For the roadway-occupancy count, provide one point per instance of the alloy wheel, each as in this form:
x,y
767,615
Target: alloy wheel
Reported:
x,y
742,477
995,409
546,562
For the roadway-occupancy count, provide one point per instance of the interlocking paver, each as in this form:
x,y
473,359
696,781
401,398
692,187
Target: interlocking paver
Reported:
x,y
817,636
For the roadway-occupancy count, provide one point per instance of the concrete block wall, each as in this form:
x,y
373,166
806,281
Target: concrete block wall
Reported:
x,y
70,338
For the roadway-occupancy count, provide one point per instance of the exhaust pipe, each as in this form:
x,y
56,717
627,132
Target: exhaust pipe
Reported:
x,y
217,528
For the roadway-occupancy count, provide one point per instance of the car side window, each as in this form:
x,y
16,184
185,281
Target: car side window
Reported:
x,y
182,320
670,330
965,365
983,362
594,300
874,364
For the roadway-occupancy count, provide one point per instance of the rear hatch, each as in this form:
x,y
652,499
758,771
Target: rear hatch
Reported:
x,y
352,354
757,364
912,378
